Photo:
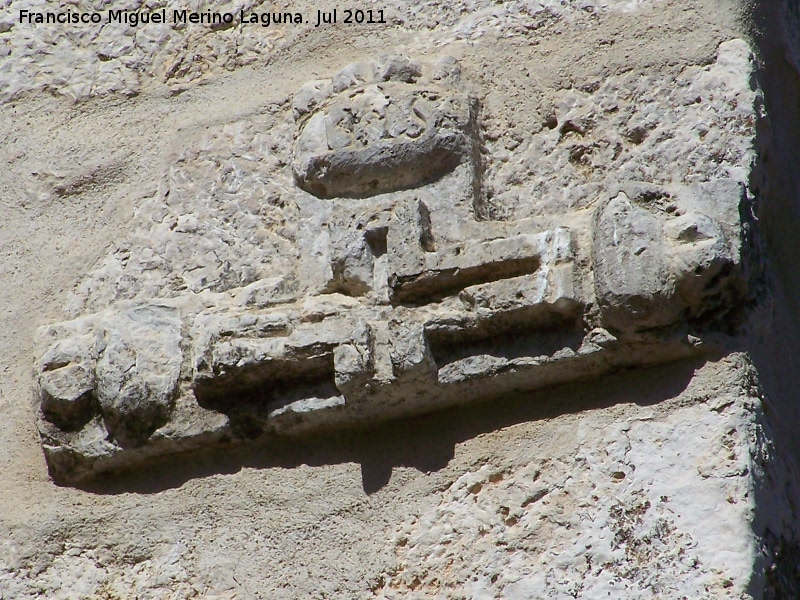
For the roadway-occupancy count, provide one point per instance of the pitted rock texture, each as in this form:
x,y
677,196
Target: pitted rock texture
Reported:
x,y
117,58
694,127
665,503
413,299
622,519
177,193
236,184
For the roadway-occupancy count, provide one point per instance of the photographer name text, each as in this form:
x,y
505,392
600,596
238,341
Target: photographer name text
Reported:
x,y
345,16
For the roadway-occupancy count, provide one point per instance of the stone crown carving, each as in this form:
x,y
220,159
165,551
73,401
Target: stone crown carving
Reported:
x,y
378,128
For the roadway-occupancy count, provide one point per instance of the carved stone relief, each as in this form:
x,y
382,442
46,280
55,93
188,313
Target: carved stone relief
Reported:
x,y
426,303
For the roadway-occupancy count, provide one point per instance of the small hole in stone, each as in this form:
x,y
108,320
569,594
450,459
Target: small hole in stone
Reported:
x,y
572,127
636,135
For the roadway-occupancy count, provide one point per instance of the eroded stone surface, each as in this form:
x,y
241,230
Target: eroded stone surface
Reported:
x,y
658,258
571,95
377,128
117,58
137,372
624,518
409,297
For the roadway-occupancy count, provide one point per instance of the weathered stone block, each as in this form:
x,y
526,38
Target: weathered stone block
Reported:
x,y
416,300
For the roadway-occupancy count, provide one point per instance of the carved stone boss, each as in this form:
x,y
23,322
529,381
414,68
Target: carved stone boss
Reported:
x,y
428,304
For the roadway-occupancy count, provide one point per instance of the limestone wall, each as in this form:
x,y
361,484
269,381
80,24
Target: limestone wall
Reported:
x,y
490,300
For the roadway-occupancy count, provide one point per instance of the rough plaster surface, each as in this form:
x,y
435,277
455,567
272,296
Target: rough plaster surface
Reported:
x,y
659,484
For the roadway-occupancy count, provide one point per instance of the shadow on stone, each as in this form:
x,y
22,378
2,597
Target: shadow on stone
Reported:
x,y
426,443
775,181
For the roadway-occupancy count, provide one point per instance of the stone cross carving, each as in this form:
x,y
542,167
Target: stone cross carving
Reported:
x,y
427,304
